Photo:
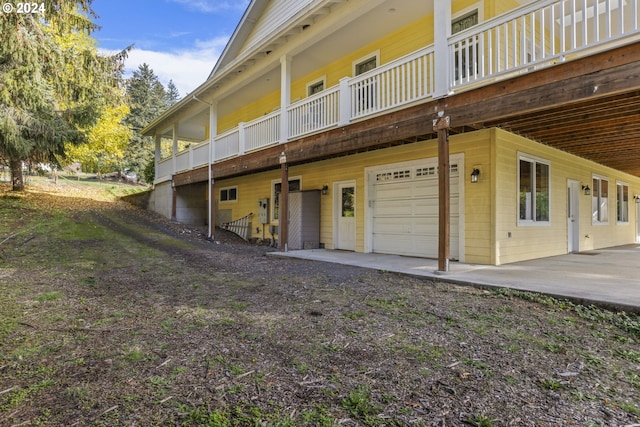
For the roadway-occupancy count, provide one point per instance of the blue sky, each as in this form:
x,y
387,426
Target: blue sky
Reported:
x,y
179,39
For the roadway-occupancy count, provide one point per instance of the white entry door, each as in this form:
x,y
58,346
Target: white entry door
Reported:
x,y
637,220
573,216
345,215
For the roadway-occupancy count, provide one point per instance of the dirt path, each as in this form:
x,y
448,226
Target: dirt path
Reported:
x,y
113,316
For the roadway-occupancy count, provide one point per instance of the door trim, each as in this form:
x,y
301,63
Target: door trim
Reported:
x,y
573,216
337,214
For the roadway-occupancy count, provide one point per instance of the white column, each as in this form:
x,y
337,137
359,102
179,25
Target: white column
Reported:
x,y
174,149
345,102
285,96
441,31
158,154
213,130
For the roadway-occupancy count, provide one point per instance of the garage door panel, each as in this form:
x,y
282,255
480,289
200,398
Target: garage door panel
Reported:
x,y
405,214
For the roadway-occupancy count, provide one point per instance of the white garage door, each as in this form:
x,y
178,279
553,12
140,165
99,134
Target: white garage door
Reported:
x,y
405,209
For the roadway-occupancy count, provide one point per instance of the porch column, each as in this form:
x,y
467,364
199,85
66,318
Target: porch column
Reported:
x,y
283,232
441,125
213,130
441,31
158,154
285,96
174,200
174,149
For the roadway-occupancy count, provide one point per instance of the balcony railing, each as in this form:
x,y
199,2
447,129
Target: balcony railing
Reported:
x,y
530,37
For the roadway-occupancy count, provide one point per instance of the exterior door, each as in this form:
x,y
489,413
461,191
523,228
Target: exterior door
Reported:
x,y
573,216
637,220
345,215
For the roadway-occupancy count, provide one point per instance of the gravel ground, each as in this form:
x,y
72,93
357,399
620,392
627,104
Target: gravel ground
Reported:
x,y
114,316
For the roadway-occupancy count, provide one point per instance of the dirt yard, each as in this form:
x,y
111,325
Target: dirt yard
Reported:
x,y
112,316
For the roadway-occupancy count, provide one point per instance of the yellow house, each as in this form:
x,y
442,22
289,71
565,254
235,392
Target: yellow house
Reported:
x,y
481,131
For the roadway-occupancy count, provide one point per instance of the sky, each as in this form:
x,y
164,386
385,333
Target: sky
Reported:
x,y
181,40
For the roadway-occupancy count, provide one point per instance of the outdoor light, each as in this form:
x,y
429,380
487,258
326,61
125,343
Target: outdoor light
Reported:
x,y
325,190
475,175
587,190
283,158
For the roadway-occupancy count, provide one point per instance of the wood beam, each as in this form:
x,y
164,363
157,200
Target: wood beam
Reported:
x,y
442,126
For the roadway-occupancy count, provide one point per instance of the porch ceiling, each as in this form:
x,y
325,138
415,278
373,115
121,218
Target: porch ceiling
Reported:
x,y
605,130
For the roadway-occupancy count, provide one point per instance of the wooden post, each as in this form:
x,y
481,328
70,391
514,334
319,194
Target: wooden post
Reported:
x,y
212,208
283,232
174,201
442,125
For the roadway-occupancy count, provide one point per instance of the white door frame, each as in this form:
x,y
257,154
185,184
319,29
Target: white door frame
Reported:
x,y
337,214
573,215
637,200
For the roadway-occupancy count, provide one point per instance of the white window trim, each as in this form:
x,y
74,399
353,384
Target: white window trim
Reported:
x,y
272,205
534,160
629,198
322,79
602,178
365,58
479,6
228,188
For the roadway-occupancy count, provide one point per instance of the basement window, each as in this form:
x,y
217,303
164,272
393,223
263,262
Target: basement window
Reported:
x,y
600,200
229,194
534,176
622,202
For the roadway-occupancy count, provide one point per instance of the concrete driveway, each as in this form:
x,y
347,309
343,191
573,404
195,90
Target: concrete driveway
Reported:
x,y
607,277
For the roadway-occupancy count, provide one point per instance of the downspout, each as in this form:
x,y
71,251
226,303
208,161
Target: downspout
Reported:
x,y
210,228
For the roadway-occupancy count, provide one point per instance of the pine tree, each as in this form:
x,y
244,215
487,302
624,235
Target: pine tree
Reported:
x,y
53,83
147,100
173,95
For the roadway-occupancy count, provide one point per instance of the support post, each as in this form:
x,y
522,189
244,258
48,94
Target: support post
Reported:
x,y
442,125
213,131
174,201
441,32
283,232
285,96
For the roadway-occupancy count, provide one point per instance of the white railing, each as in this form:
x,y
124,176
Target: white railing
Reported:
x,y
182,161
522,40
315,113
262,132
403,81
227,144
165,168
200,154
539,34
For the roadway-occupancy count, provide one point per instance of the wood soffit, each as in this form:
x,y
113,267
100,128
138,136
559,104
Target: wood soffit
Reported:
x,y
588,107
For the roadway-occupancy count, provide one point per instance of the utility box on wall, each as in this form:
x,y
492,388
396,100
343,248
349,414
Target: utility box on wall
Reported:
x,y
304,219
263,211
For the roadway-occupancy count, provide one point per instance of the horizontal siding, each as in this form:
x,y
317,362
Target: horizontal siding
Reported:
x,y
528,242
275,14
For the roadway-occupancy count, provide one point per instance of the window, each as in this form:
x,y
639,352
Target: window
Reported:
x,y
294,185
466,51
315,87
229,194
366,90
600,200
534,190
622,202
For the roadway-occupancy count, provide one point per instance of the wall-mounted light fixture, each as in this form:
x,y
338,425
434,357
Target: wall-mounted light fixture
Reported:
x,y
475,174
325,190
283,158
587,190
637,198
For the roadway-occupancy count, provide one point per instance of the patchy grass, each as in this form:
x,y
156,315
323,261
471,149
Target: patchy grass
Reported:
x,y
113,316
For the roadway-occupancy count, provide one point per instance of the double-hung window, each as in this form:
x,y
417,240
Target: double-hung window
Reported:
x,y
229,194
534,176
622,202
600,200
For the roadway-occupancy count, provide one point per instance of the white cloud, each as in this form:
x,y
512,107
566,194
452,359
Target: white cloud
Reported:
x,y
213,6
187,68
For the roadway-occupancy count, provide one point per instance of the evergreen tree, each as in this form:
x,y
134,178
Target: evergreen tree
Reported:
x,y
147,100
173,95
53,83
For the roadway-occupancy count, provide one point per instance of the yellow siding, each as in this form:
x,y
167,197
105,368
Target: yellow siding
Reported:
x,y
528,242
477,201
261,107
